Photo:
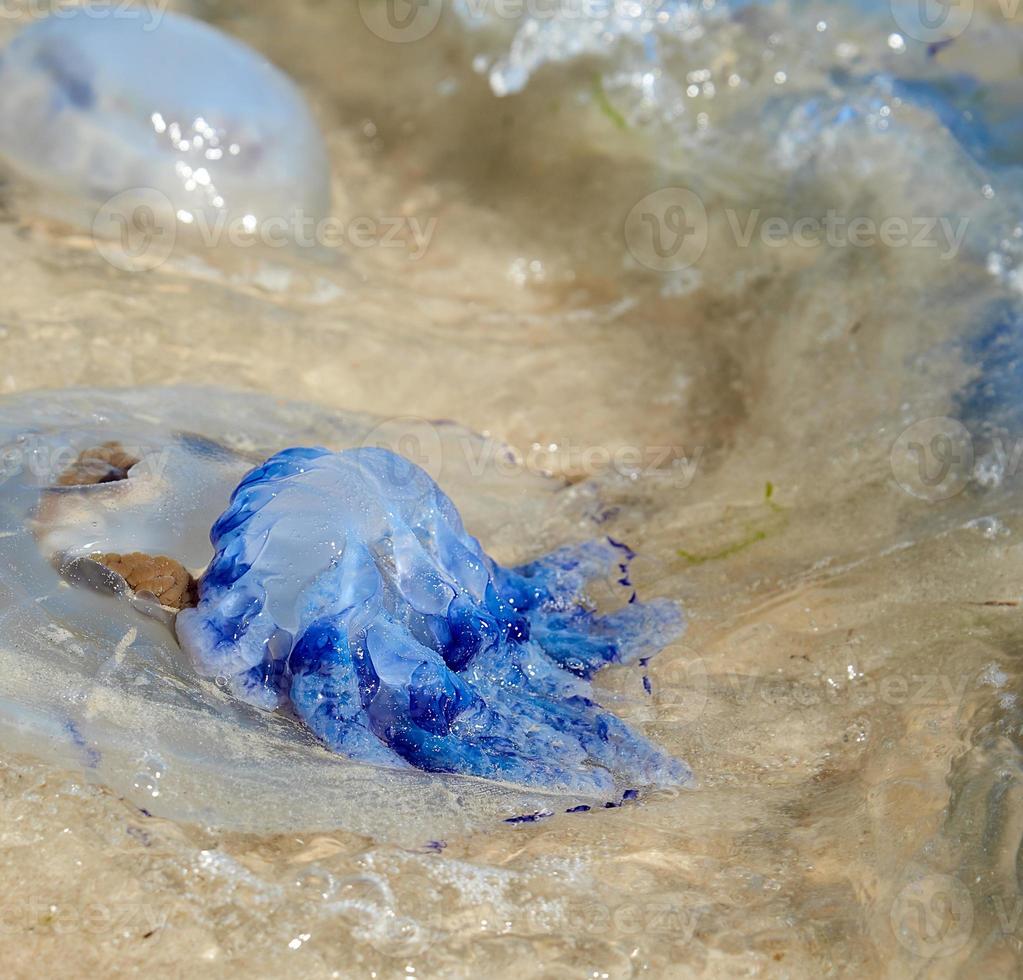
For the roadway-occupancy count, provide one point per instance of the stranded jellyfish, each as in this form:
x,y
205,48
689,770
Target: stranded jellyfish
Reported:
x,y
337,602
346,585
99,101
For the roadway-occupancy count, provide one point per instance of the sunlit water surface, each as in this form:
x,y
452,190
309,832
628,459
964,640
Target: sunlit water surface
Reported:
x,y
846,692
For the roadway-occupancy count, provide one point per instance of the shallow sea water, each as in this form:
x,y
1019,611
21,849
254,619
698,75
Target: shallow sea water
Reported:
x,y
847,690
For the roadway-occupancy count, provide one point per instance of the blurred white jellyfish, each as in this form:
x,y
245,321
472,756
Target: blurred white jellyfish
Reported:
x,y
99,106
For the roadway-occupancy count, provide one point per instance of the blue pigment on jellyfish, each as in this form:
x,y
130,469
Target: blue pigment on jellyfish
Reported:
x,y
345,588
993,398
985,119
102,101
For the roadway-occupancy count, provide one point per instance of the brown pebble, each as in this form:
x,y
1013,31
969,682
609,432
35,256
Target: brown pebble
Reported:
x,y
164,577
99,464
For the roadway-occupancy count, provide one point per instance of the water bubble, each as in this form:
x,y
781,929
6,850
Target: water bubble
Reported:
x,y
989,527
147,780
146,784
316,882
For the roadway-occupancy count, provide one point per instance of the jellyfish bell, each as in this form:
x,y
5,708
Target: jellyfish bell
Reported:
x,y
166,128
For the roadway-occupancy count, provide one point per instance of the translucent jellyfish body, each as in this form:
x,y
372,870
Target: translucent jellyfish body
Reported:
x,y
346,583
94,685
99,101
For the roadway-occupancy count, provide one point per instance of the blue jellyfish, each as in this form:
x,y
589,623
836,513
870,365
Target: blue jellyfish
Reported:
x,y
345,588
